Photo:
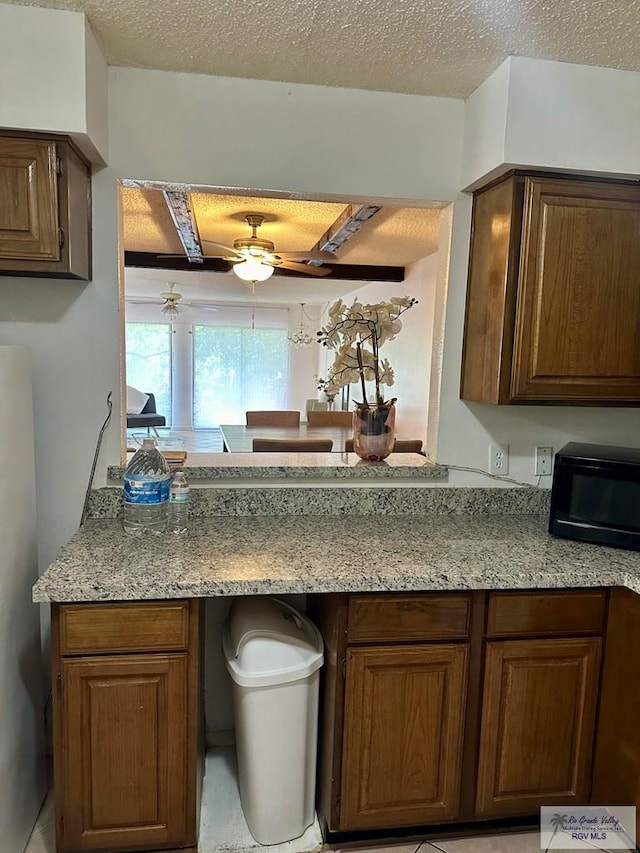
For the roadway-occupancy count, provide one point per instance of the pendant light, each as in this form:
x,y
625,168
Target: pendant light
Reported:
x,y
301,338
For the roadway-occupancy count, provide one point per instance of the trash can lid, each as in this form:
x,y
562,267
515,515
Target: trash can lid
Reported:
x,y
266,641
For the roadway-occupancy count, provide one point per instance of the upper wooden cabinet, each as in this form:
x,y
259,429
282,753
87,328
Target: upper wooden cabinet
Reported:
x,y
45,209
552,301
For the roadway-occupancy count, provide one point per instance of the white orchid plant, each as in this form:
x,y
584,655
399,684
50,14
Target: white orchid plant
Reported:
x,y
357,332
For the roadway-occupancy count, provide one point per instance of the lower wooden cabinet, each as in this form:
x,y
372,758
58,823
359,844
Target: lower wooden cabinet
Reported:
x,y
437,709
403,725
538,718
616,771
127,728
125,731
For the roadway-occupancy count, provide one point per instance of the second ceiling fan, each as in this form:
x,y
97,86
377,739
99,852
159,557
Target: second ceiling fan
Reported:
x,y
255,259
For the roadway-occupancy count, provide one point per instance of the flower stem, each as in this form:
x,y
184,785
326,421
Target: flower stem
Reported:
x,y
365,402
376,365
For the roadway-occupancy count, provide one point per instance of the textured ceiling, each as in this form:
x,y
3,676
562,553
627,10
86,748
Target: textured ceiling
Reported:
x,y
393,237
429,47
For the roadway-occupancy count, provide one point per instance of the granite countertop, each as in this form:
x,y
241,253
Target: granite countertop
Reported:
x,y
258,467
305,554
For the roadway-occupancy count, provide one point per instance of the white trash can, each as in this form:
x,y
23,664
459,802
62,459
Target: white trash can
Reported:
x,y
274,655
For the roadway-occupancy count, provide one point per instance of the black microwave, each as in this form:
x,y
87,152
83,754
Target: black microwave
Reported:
x,y
595,496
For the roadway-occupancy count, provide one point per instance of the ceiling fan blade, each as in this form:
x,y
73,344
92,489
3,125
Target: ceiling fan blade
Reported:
x,y
227,249
307,256
303,268
143,300
206,306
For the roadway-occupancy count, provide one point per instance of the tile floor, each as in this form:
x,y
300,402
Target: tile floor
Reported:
x,y
515,842
223,827
43,836
43,841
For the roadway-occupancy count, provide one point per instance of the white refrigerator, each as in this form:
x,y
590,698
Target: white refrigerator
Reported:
x,y
22,766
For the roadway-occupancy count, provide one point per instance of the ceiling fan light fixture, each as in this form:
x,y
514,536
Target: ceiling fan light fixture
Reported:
x,y
253,270
171,308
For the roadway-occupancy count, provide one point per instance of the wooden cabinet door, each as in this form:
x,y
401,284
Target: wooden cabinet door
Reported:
x,y
538,716
403,730
616,768
124,752
28,200
578,302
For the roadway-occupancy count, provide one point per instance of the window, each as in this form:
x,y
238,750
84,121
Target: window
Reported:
x,y
237,368
148,362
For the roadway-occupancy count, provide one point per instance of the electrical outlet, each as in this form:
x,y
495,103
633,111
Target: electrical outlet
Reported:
x,y
499,459
544,461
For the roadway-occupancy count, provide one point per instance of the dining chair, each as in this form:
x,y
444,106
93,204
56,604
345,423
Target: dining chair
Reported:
x,y
316,405
273,417
333,419
401,445
292,445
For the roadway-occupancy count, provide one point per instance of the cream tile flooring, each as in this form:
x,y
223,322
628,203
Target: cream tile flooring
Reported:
x,y
43,837
43,841
513,842
223,827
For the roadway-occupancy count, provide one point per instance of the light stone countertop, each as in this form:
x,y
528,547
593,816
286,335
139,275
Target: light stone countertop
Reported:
x,y
223,556
258,467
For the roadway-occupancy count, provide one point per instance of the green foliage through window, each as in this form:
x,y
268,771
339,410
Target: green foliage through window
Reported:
x,y
148,362
236,369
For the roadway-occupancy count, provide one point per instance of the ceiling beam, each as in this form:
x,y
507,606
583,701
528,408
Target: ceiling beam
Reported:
x,y
347,272
185,224
346,225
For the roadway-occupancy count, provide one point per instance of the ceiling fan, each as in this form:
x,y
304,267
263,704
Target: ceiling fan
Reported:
x,y
170,301
255,259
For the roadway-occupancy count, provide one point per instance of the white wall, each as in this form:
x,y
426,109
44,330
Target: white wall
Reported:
x,y
307,361
53,76
485,126
251,133
575,117
410,353
552,115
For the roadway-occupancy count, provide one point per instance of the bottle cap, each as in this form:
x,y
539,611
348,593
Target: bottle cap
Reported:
x,y
179,477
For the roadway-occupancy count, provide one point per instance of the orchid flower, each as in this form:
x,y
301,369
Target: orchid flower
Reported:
x,y
357,332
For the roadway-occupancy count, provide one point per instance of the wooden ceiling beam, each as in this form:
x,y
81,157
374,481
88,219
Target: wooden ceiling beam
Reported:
x,y
348,272
180,209
346,225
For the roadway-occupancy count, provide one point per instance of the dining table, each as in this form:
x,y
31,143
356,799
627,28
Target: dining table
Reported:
x,y
238,438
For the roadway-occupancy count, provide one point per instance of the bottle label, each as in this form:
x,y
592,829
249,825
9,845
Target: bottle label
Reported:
x,y
146,491
180,499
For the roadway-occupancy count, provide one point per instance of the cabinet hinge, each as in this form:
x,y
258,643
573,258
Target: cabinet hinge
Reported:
x,y
338,805
61,826
61,237
58,164
344,669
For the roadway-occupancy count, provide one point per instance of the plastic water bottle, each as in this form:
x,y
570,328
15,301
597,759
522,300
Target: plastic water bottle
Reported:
x,y
179,504
146,491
